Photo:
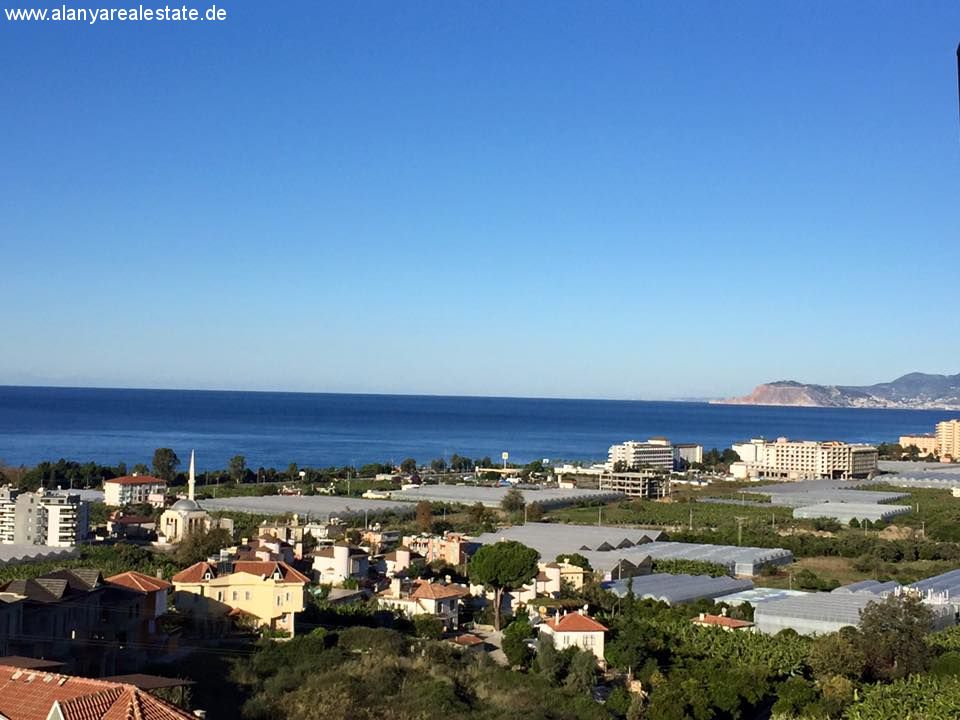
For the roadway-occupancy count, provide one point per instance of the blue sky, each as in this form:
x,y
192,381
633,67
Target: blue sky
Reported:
x,y
634,200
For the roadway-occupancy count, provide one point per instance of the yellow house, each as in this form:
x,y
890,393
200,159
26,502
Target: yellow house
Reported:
x,y
268,594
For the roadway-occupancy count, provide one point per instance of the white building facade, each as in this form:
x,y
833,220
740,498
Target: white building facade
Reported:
x,y
132,490
42,518
633,454
804,459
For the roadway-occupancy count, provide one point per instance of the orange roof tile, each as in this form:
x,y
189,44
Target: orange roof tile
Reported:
x,y
194,573
437,591
139,581
30,695
268,568
136,480
575,622
722,621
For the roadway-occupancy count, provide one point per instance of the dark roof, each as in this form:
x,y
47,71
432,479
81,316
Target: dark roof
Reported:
x,y
148,682
29,663
57,585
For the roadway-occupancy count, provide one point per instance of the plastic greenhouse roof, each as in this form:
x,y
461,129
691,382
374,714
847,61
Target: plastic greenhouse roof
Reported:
x,y
728,555
845,512
674,589
552,539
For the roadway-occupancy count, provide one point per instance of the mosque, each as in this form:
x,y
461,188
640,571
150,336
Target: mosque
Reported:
x,y
186,516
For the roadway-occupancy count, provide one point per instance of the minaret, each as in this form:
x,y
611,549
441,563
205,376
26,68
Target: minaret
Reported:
x,y
192,479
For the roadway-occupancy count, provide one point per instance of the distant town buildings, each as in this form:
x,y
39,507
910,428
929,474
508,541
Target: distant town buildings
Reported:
x,y
450,548
134,490
802,459
42,518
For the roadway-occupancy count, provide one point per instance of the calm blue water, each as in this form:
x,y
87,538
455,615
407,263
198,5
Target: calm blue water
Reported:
x,y
274,429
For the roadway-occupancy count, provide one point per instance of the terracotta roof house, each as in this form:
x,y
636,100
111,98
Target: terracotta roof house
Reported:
x,y
269,593
575,630
721,621
37,695
441,600
153,593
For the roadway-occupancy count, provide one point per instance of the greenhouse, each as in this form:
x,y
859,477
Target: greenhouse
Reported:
x,y
825,612
874,587
944,588
745,561
844,512
812,613
677,589
552,539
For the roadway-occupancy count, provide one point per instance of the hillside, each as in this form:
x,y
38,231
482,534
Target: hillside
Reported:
x,y
914,390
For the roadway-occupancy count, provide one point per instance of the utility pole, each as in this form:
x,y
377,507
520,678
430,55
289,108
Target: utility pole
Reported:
x,y
600,516
691,519
773,518
740,520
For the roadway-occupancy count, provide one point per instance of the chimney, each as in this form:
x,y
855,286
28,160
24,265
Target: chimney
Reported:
x,y
159,573
703,616
447,579
723,612
395,587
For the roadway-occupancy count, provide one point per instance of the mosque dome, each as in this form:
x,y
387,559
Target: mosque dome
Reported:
x,y
185,506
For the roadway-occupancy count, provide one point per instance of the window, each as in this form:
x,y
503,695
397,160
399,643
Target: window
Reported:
x,y
246,595
279,600
220,595
235,594
288,597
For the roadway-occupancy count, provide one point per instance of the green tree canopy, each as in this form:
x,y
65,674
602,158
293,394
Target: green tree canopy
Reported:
x,y
503,566
165,464
409,465
237,467
894,636
512,501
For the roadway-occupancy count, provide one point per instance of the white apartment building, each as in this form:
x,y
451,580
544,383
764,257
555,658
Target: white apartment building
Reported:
x,y
948,438
804,459
655,452
132,490
42,518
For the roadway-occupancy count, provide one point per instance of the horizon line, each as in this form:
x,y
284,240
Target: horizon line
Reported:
x,y
692,400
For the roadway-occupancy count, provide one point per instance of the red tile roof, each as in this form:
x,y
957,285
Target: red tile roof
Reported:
x,y
467,640
136,480
289,574
437,591
264,568
722,621
139,581
575,622
195,573
30,695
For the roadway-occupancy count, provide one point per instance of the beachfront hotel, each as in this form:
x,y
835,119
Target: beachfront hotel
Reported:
x,y
948,439
656,453
803,459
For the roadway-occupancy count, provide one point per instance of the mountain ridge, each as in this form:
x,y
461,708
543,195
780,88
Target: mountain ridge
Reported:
x,y
916,390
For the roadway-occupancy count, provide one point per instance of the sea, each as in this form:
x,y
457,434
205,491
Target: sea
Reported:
x,y
274,429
